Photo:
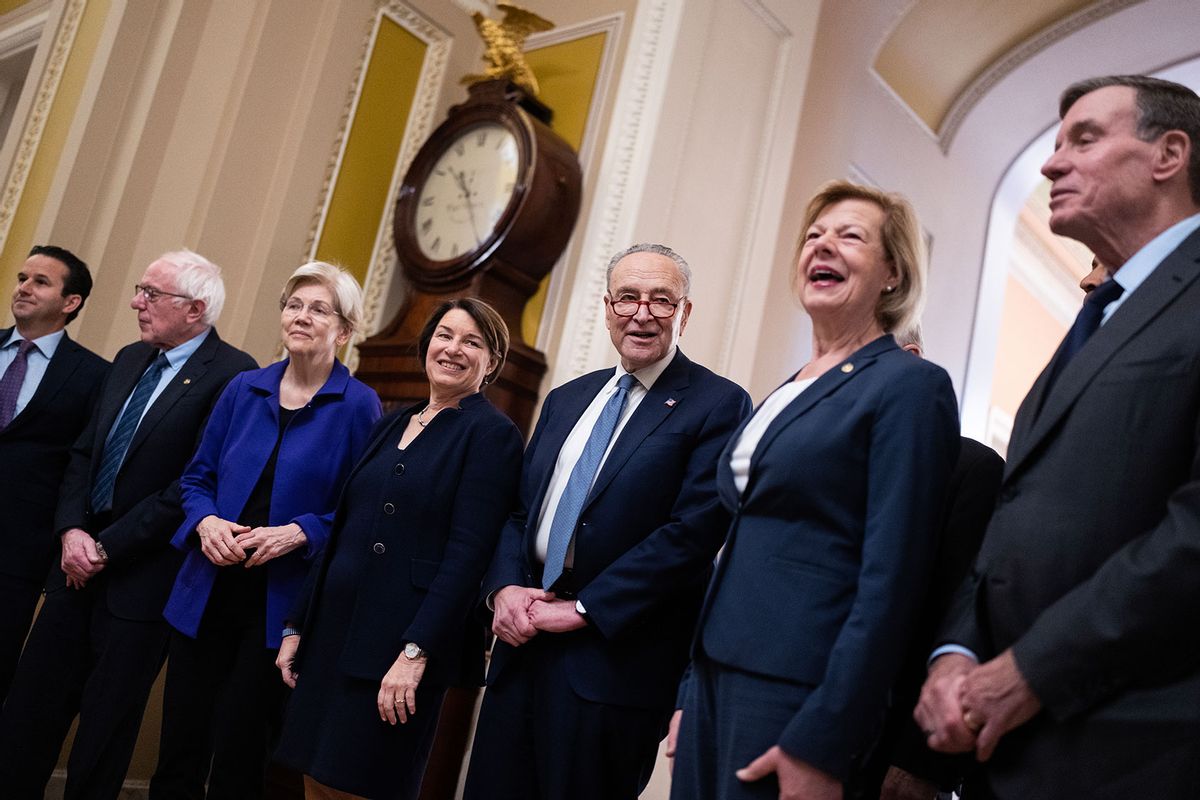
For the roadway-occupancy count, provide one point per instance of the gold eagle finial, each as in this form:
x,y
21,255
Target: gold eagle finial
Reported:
x,y
504,40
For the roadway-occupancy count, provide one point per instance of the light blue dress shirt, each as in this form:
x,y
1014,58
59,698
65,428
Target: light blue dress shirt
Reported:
x,y
37,361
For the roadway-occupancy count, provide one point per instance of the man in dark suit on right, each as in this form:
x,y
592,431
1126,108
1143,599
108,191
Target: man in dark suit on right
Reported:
x,y
100,639
48,386
1070,663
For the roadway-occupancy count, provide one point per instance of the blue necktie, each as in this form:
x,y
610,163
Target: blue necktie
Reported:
x,y
122,435
1086,324
566,516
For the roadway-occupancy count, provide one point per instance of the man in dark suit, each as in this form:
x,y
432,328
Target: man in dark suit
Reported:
x,y
599,574
48,386
903,763
100,638
1070,662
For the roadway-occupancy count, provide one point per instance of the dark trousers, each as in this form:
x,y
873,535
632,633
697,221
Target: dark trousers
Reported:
x,y
18,599
538,740
729,719
80,659
222,709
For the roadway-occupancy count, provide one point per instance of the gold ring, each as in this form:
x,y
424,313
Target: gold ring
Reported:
x,y
972,721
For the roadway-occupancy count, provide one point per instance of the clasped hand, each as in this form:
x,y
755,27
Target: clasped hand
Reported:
x,y
966,706
80,558
225,543
520,612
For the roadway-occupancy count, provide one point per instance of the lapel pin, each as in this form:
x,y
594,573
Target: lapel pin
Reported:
x,y
847,367
186,381
670,402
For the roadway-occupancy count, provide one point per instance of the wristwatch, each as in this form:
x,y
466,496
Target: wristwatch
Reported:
x,y
100,551
413,651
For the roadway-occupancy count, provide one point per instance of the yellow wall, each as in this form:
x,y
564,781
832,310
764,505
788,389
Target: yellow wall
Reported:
x,y
566,75
54,137
360,192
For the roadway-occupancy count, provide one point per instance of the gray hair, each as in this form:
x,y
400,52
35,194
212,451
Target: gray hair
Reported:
x,y
347,294
910,336
685,271
199,279
1162,106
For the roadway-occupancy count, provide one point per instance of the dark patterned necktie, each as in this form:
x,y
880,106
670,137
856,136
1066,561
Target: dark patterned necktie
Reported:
x,y
1086,324
10,384
122,435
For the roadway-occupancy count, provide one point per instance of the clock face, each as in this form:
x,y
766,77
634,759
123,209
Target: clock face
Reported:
x,y
466,193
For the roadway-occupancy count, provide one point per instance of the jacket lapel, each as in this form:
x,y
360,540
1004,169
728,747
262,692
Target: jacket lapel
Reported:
x,y
192,371
650,413
65,359
831,381
1160,289
569,407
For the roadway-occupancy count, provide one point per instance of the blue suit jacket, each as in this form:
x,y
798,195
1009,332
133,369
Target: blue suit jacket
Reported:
x,y
646,536
831,543
323,441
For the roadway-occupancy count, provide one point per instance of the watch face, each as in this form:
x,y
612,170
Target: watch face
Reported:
x,y
466,192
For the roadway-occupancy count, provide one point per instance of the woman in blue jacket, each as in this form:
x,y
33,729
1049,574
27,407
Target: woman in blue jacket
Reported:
x,y
259,496
836,488
388,625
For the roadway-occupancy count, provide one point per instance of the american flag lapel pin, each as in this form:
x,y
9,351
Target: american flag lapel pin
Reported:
x,y
670,402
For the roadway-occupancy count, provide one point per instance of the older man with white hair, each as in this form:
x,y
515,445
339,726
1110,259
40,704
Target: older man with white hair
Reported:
x,y
100,639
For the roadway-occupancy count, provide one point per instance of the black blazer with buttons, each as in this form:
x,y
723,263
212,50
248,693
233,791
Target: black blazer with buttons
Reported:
x,y
33,454
432,537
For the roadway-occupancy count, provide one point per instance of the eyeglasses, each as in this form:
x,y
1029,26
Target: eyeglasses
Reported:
x,y
152,295
659,309
318,310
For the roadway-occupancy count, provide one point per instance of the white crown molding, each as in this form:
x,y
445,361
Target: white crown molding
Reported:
x,y
624,170
382,269
50,77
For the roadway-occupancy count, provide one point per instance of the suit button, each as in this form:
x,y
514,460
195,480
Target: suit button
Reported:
x,y
388,508
379,548
399,470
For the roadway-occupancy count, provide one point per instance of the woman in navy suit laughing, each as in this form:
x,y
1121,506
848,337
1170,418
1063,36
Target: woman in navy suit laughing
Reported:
x,y
836,484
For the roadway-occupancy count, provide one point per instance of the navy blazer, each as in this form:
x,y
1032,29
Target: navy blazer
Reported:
x,y
33,454
831,544
460,478
323,441
646,536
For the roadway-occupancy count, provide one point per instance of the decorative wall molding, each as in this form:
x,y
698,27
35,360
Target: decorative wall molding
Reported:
x,y
1002,67
382,269
769,125
611,26
623,171
35,122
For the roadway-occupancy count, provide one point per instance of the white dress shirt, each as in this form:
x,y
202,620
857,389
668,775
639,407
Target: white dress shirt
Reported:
x,y
772,407
572,448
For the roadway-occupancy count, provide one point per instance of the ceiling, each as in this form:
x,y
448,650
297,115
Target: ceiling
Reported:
x,y
940,48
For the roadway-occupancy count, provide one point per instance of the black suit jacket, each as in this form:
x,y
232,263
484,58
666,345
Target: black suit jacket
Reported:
x,y
33,454
146,510
646,535
971,497
1090,568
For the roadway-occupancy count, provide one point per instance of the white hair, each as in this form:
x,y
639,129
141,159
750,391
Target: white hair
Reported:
x,y
199,279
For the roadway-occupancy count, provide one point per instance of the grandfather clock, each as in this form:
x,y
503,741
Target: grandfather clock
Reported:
x,y
486,209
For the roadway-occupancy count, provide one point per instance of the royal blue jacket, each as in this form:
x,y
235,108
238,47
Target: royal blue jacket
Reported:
x,y
321,444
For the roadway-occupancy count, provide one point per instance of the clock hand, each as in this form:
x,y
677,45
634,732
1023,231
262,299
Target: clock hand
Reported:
x,y
461,177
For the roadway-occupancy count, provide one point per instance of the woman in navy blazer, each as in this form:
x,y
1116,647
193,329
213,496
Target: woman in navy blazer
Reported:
x,y
259,496
836,485
388,625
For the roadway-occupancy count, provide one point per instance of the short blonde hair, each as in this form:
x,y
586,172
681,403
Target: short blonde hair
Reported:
x,y
347,294
903,244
